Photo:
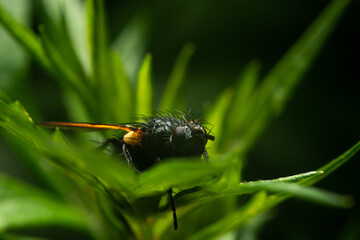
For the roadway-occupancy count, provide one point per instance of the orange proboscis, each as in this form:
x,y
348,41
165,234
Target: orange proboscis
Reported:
x,y
88,126
133,137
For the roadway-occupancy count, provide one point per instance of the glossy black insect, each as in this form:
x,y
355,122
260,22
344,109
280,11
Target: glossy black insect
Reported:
x,y
153,139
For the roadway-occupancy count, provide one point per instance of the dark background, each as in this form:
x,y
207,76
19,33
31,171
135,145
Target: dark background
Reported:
x,y
320,122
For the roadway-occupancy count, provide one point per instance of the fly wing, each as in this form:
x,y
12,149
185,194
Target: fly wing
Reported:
x,y
87,126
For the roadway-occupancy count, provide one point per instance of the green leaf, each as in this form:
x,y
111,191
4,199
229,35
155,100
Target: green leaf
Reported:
x,y
50,176
179,172
22,206
296,178
53,14
77,109
253,227
60,138
15,119
106,90
123,92
216,116
261,202
66,76
113,88
85,163
97,36
25,37
13,58
307,193
131,43
312,194
54,52
234,220
59,64
74,15
144,93
244,90
173,96
280,185
284,190
116,101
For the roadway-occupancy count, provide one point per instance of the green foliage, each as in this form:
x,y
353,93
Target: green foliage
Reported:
x,y
101,187
144,92
22,205
173,98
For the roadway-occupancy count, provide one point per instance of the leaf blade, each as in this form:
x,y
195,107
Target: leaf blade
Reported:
x,y
333,165
24,36
23,206
144,93
174,89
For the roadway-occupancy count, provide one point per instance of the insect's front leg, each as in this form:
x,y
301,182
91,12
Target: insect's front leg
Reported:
x,y
119,144
206,155
127,156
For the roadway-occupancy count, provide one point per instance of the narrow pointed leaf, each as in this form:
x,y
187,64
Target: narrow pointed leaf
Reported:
x,y
144,94
13,57
333,165
308,193
219,190
131,43
173,93
52,13
180,172
216,117
102,79
123,103
295,178
26,37
246,85
97,35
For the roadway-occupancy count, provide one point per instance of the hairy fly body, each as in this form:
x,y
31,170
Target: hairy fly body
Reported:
x,y
162,137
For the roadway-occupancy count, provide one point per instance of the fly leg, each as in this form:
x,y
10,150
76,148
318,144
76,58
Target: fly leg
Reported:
x,y
206,155
119,144
128,157
170,192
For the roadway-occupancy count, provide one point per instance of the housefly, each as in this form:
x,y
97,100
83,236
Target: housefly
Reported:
x,y
152,139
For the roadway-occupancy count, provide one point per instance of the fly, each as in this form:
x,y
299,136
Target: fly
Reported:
x,y
152,140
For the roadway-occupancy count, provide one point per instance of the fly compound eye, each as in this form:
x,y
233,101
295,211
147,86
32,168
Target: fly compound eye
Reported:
x,y
179,136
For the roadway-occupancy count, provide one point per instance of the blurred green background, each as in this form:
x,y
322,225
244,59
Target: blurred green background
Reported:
x,y
319,123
